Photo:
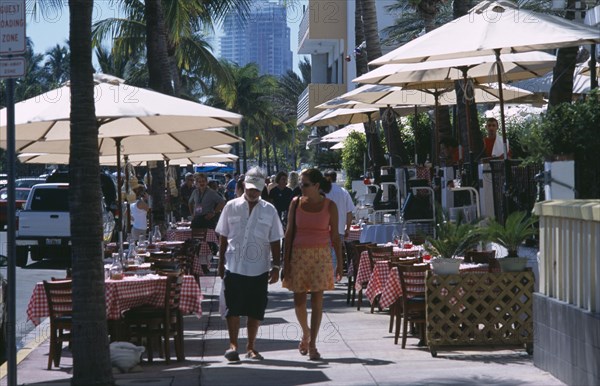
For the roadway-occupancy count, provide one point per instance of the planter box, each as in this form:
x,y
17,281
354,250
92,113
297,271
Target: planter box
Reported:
x,y
474,309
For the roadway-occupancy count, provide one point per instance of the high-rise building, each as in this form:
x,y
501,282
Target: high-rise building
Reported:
x,y
263,38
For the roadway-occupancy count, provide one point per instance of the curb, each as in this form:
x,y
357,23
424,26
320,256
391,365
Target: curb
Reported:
x,y
33,341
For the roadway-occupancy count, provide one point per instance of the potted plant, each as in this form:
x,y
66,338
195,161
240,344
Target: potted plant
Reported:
x,y
511,235
451,241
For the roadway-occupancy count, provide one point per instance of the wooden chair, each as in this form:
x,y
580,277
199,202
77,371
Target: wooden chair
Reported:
x,y
379,254
360,248
59,295
352,260
413,300
160,323
199,237
396,307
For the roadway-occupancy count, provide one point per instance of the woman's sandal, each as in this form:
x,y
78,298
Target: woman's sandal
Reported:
x,y
303,345
313,354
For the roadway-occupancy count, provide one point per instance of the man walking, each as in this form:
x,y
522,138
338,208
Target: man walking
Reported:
x,y
345,206
250,234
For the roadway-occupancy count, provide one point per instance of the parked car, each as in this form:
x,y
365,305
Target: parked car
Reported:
x,y
28,182
20,199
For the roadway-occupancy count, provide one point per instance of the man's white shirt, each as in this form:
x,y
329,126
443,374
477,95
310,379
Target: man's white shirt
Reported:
x,y
344,204
249,237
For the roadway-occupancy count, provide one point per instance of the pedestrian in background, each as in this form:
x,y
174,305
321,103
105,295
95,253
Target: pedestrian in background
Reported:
x,y
345,207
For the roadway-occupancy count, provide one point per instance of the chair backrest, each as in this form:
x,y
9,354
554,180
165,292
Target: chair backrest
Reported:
x,y
352,255
412,279
199,234
380,254
395,261
172,294
59,295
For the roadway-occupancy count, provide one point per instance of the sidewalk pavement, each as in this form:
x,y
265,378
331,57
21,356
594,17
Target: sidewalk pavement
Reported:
x,y
356,348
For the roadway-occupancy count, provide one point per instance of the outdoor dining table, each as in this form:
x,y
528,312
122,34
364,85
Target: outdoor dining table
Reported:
x,y
364,266
379,233
353,234
121,295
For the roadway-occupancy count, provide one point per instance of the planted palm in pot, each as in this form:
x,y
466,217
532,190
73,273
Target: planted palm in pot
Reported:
x,y
451,241
511,235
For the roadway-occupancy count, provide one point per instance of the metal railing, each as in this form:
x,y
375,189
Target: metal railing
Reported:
x,y
569,263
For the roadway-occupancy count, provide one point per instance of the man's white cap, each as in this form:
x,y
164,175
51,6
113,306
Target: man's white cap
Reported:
x,y
252,182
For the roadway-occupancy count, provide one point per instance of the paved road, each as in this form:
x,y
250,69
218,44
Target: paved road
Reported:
x,y
26,279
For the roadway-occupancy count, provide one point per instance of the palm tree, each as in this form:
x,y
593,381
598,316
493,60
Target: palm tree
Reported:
x,y
184,24
57,64
90,367
248,96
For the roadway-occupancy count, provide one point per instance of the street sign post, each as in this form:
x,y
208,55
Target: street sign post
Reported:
x,y
12,27
12,44
12,68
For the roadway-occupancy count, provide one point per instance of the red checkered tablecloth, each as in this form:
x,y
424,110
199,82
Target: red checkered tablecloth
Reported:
x,y
364,267
392,289
122,295
353,234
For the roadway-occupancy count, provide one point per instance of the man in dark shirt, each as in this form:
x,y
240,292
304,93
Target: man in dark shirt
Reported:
x,y
281,196
185,192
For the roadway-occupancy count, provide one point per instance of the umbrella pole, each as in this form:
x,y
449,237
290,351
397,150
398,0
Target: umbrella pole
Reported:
x,y
119,196
415,122
468,125
436,133
501,97
128,219
507,171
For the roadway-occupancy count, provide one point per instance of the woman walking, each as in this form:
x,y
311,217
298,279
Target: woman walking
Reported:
x,y
312,228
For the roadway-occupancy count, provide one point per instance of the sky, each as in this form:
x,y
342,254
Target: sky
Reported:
x,y
50,26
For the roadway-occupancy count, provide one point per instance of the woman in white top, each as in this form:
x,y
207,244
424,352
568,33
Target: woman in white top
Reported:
x,y
139,212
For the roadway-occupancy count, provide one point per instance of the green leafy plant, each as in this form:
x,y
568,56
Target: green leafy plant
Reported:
x,y
355,146
511,235
453,239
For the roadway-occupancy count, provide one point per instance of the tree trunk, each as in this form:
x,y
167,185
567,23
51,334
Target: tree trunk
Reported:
x,y
561,90
90,366
393,139
371,29
275,161
159,70
362,65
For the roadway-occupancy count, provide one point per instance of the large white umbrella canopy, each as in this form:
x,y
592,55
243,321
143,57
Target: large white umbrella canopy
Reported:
x,y
440,73
160,144
343,116
122,110
342,134
393,95
543,84
493,27
211,154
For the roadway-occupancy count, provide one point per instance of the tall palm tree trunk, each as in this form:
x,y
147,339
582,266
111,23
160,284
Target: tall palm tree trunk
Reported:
x,y
159,70
561,90
371,29
90,366
362,66
394,142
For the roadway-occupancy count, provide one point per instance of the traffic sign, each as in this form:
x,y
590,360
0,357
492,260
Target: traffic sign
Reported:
x,y
12,27
12,68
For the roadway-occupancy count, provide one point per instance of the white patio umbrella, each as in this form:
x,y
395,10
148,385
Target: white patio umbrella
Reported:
x,y
343,116
493,28
440,73
342,134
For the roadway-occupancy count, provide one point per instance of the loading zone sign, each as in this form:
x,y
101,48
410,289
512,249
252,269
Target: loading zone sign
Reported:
x,y
12,27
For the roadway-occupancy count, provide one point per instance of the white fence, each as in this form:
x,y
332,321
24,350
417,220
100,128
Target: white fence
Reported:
x,y
570,252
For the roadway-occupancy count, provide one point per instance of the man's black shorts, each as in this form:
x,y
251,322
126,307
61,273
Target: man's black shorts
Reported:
x,y
246,295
